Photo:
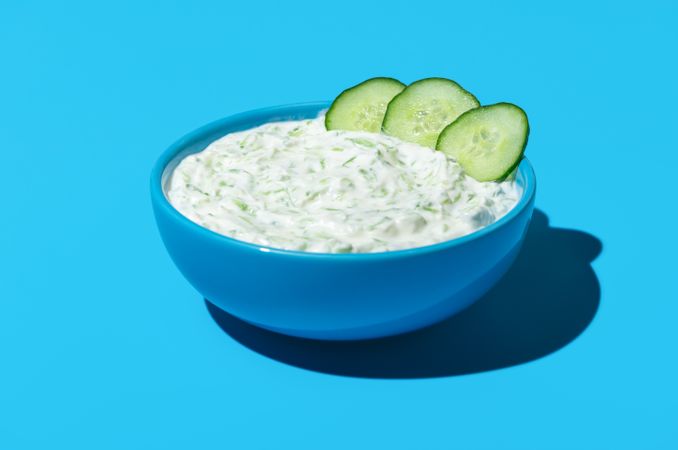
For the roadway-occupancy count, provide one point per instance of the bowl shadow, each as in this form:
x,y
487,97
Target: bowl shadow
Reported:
x,y
547,298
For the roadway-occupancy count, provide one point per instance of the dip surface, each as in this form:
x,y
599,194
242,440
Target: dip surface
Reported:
x,y
294,185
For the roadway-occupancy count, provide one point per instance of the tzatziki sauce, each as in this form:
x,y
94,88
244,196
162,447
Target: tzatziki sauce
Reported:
x,y
294,185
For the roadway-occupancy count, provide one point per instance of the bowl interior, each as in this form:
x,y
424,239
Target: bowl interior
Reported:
x,y
199,139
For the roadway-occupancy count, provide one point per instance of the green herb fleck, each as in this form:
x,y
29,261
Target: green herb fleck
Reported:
x,y
347,162
242,205
295,132
363,142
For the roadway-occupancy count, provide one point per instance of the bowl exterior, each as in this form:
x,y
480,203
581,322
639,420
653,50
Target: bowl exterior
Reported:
x,y
332,296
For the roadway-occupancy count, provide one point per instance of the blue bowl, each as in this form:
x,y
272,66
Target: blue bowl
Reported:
x,y
332,296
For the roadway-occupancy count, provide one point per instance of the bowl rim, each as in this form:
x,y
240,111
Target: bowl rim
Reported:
x,y
160,200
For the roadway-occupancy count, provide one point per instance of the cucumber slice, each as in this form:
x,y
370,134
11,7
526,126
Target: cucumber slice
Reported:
x,y
420,112
362,107
488,142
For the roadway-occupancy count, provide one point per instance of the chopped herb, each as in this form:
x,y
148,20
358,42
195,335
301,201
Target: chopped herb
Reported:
x,y
349,161
242,205
295,132
363,142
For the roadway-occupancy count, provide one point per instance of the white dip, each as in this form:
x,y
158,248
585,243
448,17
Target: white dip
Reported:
x,y
295,185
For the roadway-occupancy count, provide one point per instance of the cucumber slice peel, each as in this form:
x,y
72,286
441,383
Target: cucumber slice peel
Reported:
x,y
362,107
488,142
420,112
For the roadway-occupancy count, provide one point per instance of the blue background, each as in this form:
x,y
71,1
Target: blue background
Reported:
x,y
104,345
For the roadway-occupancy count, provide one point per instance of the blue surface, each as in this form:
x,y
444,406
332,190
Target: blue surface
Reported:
x,y
103,344
332,296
